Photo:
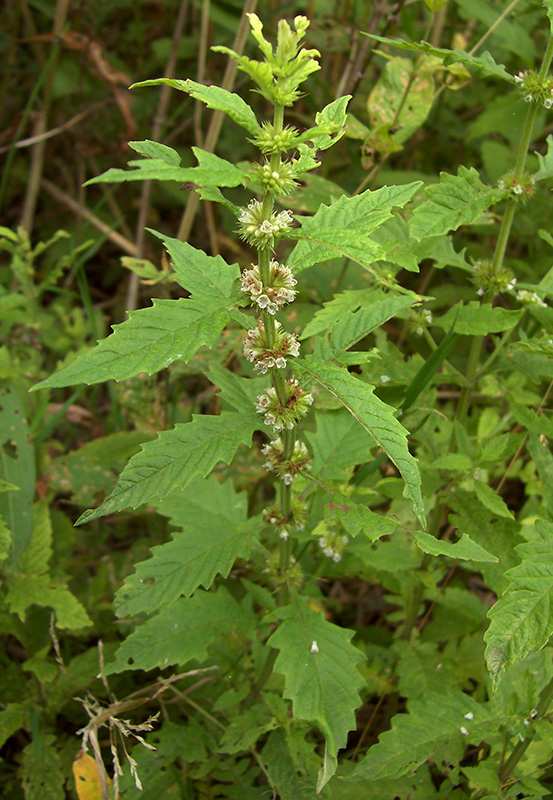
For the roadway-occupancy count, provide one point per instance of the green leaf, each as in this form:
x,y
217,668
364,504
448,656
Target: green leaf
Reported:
x,y
41,590
12,718
17,467
214,97
90,470
453,717
238,392
205,277
457,200
156,150
43,777
320,668
337,444
354,326
478,319
212,171
5,540
376,417
529,419
465,549
546,162
333,310
541,455
290,781
484,65
344,227
214,532
150,340
176,457
521,622
39,550
357,518
182,631
491,500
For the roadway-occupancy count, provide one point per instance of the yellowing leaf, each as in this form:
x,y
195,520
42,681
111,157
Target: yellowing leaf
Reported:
x,y
87,779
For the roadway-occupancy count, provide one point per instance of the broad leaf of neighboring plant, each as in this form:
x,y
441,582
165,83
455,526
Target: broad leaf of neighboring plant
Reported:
x,y
344,228
182,632
478,319
154,337
321,676
17,469
484,65
376,417
457,200
42,775
177,456
214,532
453,717
465,549
521,621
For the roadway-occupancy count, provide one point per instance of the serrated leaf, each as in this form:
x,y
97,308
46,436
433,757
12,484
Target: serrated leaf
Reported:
x,y
41,590
150,340
320,668
376,417
176,457
491,500
355,325
529,419
331,227
337,444
151,149
340,304
357,518
543,459
464,549
211,171
17,467
279,758
483,65
457,200
182,631
478,319
214,532
433,721
43,778
238,392
214,97
205,277
521,622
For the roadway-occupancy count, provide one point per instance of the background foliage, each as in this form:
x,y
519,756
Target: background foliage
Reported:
x,y
457,698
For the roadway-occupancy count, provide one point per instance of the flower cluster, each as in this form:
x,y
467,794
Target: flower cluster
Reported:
x,y
490,281
279,289
258,231
264,356
298,513
535,91
419,321
285,468
517,188
530,298
332,543
279,181
284,416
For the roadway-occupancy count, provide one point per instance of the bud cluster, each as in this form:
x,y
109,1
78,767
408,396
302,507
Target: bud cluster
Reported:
x,y
534,90
490,281
258,231
275,181
285,468
419,321
264,356
331,541
276,294
284,417
530,298
298,513
273,142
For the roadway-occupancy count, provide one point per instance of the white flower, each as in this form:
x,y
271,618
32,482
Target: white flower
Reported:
x,y
314,647
469,715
